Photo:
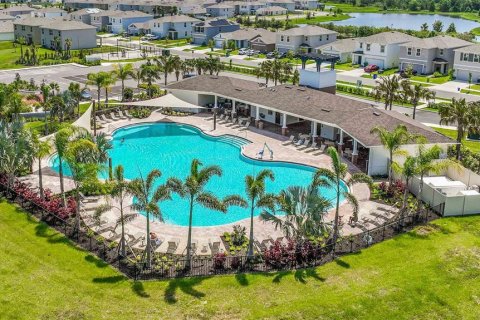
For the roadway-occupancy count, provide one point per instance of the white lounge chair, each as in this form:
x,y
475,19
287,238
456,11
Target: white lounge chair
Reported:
x,y
113,116
289,141
121,116
313,147
234,122
304,145
245,127
299,142
129,117
104,118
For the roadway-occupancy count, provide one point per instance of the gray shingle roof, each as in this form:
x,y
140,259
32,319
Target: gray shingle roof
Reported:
x,y
67,25
308,30
474,48
176,18
441,42
245,34
128,14
354,117
6,27
342,45
388,38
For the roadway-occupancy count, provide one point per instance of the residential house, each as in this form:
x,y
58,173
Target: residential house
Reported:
x,y
247,7
173,27
287,4
241,37
467,63
81,35
306,4
429,55
194,11
342,49
382,49
101,19
271,11
84,15
6,31
221,10
29,28
49,12
204,31
264,42
17,11
84,4
120,20
306,38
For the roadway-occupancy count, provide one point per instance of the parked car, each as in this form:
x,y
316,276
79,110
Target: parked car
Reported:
x,y
243,51
271,55
251,52
371,68
149,37
86,94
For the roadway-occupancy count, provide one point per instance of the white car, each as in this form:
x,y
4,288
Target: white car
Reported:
x,y
149,37
243,51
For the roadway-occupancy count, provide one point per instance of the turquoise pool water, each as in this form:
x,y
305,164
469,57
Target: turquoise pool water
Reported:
x,y
171,148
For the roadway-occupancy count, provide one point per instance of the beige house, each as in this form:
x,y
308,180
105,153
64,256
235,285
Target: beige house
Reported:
x,y
467,62
306,38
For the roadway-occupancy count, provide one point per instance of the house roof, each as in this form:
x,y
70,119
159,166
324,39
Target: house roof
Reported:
x,y
308,30
473,48
17,8
388,37
87,11
6,27
244,34
176,18
441,42
33,21
342,45
356,118
271,8
216,23
70,25
50,9
281,1
128,14
221,6
266,37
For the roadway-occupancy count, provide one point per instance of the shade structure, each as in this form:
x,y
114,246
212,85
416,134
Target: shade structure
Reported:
x,y
166,101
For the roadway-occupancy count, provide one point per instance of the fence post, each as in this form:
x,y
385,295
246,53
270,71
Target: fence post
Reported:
x,y
383,232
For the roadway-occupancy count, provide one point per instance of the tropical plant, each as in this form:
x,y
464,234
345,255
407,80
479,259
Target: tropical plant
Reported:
x,y
123,72
21,42
296,77
76,94
415,93
334,179
60,143
387,90
465,115
147,198
193,189
41,149
258,198
166,64
149,73
97,80
393,141
68,46
213,65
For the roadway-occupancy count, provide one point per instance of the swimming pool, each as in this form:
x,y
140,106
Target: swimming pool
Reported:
x,y
170,147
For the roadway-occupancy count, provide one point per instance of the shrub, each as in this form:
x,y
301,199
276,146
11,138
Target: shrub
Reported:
x,y
219,261
141,113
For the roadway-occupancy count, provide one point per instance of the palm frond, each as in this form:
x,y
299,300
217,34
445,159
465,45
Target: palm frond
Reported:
x,y
210,201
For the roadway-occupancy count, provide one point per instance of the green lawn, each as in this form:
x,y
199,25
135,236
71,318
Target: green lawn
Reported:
x,y
472,145
386,72
468,91
347,66
430,79
320,19
354,84
429,274
476,31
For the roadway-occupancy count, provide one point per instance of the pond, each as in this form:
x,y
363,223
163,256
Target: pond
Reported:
x,y
406,21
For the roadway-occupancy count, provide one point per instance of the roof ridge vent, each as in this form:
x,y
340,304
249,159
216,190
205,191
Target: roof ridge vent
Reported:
x,y
326,110
376,113
238,89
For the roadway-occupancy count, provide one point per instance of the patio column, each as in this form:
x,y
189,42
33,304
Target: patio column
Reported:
x,y
355,152
284,124
340,143
257,116
314,130
216,101
234,110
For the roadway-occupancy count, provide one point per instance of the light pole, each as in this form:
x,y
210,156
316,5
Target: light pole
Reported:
x,y
215,110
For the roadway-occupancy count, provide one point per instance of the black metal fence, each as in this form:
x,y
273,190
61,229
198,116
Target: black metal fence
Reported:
x,y
163,266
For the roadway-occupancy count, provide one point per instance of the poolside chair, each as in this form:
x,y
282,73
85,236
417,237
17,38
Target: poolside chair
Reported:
x,y
322,148
299,142
104,118
234,122
129,117
120,115
289,141
172,247
312,147
113,116
99,121
245,127
136,238
240,123
304,145
214,247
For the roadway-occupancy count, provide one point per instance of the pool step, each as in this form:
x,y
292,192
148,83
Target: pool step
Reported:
x,y
238,142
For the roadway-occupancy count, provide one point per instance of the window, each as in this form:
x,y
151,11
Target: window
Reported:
x,y
441,52
186,33
419,52
281,38
361,45
50,32
470,57
23,28
184,24
328,37
382,49
409,51
475,58
306,38
368,46
320,38
288,39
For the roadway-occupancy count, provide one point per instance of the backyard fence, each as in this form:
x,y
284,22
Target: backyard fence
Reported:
x,y
164,267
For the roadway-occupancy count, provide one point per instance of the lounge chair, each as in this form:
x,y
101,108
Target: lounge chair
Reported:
x,y
245,127
234,122
121,116
114,117
322,148
220,118
289,141
304,145
299,142
172,247
136,238
214,247
239,124
129,117
85,199
99,120
313,147
104,118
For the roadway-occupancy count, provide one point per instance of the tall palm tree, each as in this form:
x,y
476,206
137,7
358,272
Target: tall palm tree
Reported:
x,y
393,141
149,73
76,93
120,192
166,64
60,143
178,67
97,80
408,170
387,90
415,93
333,178
213,65
21,42
255,189
296,77
123,72
41,149
108,82
68,46
193,188
265,70
461,113
147,198
303,211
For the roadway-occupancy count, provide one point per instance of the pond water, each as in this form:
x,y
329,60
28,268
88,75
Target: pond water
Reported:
x,y
406,21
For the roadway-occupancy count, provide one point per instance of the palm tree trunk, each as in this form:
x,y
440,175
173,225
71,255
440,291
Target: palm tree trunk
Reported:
x,y
250,240
189,239
40,178
106,95
123,89
98,94
149,245
419,195
60,173
414,111
459,142
337,212
77,211
405,196
122,240
165,75
390,169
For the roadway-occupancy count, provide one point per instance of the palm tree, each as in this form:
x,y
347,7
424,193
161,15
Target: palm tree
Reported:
x,y
255,189
393,141
76,94
60,143
461,113
265,70
166,64
408,171
41,149
193,188
303,211
123,72
415,93
96,79
148,196
178,67
149,73
21,42
68,46
387,89
108,82
333,179
213,64
296,77
120,192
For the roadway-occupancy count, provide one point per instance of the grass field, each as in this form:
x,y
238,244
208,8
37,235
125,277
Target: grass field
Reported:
x,y
472,145
320,19
431,80
428,274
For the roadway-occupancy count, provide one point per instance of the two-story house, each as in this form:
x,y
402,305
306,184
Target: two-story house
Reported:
x,y
271,11
241,37
101,19
119,21
304,38
382,49
306,4
342,49
287,4
172,27
17,11
204,31
49,12
28,28
84,15
467,62
79,34
221,10
247,7
429,55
